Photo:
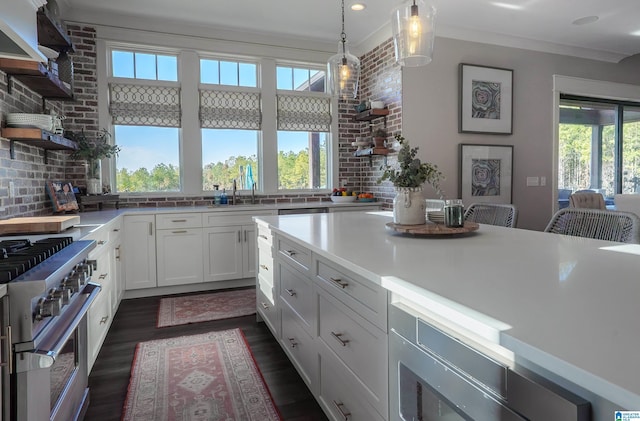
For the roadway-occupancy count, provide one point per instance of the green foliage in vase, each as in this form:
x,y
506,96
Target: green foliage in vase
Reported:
x,y
410,171
92,149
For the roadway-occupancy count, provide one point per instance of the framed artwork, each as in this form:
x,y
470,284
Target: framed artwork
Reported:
x,y
486,173
486,100
62,196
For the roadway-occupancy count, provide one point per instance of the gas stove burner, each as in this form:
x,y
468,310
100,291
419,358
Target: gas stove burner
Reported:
x,y
19,256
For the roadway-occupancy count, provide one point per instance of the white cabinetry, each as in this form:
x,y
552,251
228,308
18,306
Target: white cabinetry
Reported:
x,y
140,251
333,327
229,245
102,310
178,243
266,285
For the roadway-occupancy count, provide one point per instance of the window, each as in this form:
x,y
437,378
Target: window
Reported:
x,y
144,103
599,146
304,121
175,147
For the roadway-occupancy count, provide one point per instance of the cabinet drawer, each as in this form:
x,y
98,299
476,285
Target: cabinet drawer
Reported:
x,y
178,220
366,298
266,305
300,347
360,345
296,291
296,255
98,322
231,217
340,392
265,265
115,230
264,234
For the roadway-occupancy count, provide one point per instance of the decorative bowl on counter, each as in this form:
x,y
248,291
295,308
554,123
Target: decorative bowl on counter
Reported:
x,y
343,199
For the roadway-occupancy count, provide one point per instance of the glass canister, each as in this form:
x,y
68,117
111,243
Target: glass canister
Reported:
x,y
453,213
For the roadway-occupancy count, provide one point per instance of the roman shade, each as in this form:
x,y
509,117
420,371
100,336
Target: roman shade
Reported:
x,y
144,105
304,113
223,109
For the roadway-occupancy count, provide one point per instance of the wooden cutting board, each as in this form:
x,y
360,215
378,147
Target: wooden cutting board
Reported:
x,y
38,224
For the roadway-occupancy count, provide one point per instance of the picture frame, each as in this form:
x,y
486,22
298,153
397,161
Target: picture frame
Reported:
x,y
486,173
486,99
63,198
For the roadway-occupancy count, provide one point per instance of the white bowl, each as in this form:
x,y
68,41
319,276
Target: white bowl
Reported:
x,y
343,199
377,104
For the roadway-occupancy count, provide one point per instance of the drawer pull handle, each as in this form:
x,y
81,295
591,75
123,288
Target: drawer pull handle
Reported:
x,y
178,220
339,282
340,407
103,275
263,236
118,253
116,230
104,320
293,342
265,306
338,337
290,292
179,232
101,242
265,267
290,253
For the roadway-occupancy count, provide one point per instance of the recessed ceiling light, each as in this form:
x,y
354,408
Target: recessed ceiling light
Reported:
x,y
358,6
585,20
507,5
636,34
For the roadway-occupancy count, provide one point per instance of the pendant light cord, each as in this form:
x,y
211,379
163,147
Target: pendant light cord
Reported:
x,y
343,35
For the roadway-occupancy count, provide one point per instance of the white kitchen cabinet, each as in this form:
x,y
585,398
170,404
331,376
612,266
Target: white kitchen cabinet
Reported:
x,y
139,252
299,346
266,282
179,257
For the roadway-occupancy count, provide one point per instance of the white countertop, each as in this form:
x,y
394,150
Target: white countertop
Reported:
x,y
570,305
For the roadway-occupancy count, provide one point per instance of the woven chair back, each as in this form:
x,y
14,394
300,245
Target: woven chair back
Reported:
x,y
492,214
587,200
599,224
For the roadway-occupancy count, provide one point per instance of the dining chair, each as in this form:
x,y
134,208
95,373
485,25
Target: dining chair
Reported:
x,y
600,224
587,199
493,214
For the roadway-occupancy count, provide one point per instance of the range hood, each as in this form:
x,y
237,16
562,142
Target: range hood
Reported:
x,y
19,29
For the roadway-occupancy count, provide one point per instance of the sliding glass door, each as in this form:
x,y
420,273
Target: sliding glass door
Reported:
x,y
599,147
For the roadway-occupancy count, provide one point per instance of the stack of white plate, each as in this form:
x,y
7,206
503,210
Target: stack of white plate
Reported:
x,y
39,121
436,216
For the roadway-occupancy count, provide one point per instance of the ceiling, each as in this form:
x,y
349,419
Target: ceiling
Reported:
x,y
544,25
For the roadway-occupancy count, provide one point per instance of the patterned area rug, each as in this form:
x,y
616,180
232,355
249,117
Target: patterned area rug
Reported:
x,y
175,311
206,377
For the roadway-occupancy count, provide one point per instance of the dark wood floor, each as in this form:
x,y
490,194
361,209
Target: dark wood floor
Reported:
x,y
135,322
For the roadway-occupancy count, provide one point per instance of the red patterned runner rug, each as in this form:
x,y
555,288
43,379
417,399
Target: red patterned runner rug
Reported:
x,y
186,309
206,377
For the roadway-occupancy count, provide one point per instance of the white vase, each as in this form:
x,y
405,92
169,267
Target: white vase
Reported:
x,y
409,206
94,177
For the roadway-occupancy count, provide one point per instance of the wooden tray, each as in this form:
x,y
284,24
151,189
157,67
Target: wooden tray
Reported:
x,y
433,229
38,224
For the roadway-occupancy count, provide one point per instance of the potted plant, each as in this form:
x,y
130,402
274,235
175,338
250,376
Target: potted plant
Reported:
x,y
380,135
408,177
93,150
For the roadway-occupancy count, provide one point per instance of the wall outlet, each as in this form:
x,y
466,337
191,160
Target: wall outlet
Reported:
x,y
543,181
12,189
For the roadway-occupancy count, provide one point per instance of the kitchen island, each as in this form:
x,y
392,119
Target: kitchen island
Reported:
x,y
565,307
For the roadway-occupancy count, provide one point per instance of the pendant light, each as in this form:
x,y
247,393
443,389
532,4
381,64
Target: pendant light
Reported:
x,y
343,69
413,26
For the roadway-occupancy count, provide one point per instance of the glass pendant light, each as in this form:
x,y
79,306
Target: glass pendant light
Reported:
x,y
343,69
413,26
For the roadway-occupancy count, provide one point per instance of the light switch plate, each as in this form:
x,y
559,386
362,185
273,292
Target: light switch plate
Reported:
x,y
533,181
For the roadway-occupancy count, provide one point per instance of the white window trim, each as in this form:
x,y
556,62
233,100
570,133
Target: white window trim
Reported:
x,y
188,63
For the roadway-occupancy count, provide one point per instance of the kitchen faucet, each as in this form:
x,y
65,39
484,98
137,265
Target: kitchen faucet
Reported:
x,y
253,193
233,193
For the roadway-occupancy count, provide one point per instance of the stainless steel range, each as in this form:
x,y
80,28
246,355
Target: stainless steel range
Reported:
x,y
49,293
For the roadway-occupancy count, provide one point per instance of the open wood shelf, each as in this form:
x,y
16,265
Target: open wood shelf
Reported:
x,y
36,76
39,138
51,33
372,151
371,114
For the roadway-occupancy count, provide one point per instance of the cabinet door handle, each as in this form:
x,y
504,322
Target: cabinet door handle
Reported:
x,y
344,412
265,306
289,253
116,230
103,276
104,320
117,253
265,267
293,342
239,237
178,220
338,337
263,236
245,236
7,350
179,232
150,228
339,282
290,292
101,242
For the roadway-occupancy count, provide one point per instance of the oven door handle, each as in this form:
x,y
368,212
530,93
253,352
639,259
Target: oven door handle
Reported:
x,y
48,348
